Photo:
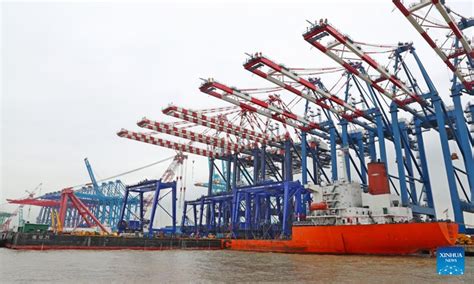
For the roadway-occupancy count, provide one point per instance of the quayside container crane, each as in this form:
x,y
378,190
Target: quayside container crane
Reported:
x,y
445,32
373,103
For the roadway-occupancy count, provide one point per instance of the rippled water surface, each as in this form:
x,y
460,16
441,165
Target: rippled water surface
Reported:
x,y
216,266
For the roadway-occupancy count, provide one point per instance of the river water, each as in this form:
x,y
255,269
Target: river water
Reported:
x,y
216,266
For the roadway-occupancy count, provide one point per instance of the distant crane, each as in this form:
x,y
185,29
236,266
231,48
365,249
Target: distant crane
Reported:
x,y
168,176
218,183
91,175
31,194
6,218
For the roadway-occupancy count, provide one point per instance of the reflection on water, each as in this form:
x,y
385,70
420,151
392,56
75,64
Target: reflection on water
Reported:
x,y
216,266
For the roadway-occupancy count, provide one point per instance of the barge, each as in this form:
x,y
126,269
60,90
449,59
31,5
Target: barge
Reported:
x,y
52,241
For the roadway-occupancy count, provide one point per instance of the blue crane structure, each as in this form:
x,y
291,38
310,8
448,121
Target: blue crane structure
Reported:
x,y
104,201
167,185
112,202
455,50
218,181
369,112
156,187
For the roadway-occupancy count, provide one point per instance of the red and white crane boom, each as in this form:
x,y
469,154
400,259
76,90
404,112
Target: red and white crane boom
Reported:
x,y
146,138
416,14
346,110
316,33
193,136
210,87
219,125
169,174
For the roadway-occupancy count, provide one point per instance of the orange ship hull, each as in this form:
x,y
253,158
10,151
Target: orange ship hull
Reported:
x,y
384,239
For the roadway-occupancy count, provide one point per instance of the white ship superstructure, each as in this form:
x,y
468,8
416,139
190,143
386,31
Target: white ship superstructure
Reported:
x,y
345,203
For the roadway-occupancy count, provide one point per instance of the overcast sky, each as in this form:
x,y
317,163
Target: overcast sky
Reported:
x,y
73,74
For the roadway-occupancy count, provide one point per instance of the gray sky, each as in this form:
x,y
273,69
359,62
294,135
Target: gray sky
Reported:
x,y
75,73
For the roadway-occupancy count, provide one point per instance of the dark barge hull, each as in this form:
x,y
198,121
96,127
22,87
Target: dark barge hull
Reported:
x,y
48,241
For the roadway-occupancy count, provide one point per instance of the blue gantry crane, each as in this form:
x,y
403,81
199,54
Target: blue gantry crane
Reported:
x,y
157,188
369,113
218,180
104,201
447,34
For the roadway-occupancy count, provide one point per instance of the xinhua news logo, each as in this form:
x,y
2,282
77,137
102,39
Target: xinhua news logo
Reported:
x,y
450,260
